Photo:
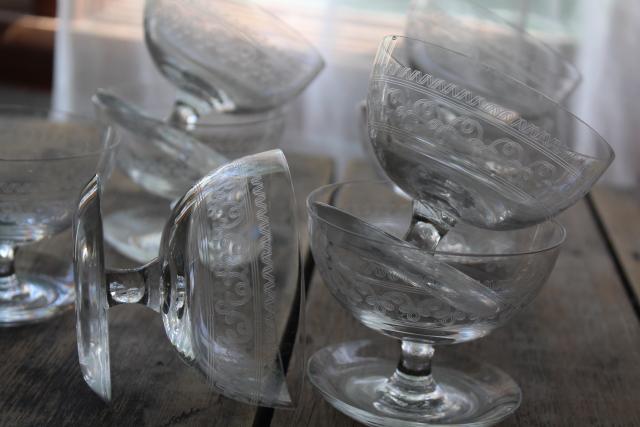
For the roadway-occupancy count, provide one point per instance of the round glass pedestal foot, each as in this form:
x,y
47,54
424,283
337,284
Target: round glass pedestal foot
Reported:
x,y
136,232
32,298
353,378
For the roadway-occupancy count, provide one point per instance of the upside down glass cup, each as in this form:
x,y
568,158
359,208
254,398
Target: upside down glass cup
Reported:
x,y
233,57
472,144
473,283
227,282
45,159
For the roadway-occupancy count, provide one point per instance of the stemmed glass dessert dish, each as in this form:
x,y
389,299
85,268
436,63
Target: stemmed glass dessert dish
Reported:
x,y
235,56
469,143
474,282
484,162
47,156
226,281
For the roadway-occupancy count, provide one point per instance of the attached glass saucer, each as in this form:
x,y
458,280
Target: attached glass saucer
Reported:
x,y
352,375
471,144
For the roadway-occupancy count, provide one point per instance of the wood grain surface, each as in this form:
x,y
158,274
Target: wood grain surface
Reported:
x,y
574,351
619,213
40,379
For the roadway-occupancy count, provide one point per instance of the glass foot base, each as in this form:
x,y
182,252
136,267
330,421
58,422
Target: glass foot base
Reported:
x,y
35,298
136,232
352,377
92,322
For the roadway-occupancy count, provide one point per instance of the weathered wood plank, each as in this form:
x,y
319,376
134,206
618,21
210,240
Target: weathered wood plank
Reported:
x,y
308,173
619,212
574,351
41,383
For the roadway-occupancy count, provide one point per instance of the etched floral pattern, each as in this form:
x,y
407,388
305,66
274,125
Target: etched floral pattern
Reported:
x,y
498,155
368,289
485,162
39,189
238,47
237,253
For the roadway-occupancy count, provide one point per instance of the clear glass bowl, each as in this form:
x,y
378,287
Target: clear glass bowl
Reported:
x,y
47,157
472,144
474,282
226,282
232,57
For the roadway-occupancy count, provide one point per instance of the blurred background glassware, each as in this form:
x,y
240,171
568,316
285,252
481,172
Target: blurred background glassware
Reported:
x,y
226,282
472,144
357,379
476,31
231,135
46,158
232,57
165,161
480,33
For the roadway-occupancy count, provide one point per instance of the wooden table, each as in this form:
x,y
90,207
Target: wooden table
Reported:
x,y
575,351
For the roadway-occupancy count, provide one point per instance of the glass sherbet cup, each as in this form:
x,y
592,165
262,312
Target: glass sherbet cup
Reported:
x,y
471,144
475,282
231,56
226,281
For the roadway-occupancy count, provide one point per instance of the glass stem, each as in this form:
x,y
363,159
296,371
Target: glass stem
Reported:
x,y
135,286
188,108
183,115
412,388
9,284
428,226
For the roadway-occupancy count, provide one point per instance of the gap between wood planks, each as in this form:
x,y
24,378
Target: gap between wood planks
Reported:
x,y
624,278
264,415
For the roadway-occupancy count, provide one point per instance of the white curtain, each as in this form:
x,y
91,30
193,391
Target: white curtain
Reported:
x,y
609,96
100,43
